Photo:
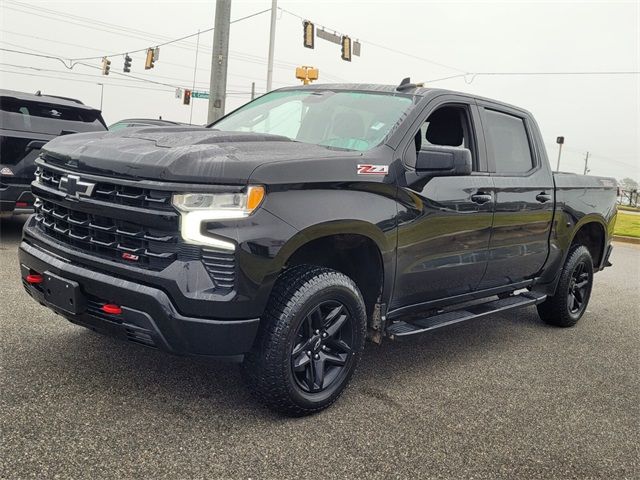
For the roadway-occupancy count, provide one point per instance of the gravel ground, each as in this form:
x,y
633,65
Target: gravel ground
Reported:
x,y
502,397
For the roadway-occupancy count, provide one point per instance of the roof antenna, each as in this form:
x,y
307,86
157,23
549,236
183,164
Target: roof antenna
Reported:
x,y
39,93
406,84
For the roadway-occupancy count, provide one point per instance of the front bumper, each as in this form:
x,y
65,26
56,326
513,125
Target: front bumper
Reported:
x,y
148,316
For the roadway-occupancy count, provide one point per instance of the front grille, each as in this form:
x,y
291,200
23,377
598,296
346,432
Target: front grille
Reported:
x,y
107,237
115,193
136,226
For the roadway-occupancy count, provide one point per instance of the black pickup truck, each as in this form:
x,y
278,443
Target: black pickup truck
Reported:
x,y
290,230
27,122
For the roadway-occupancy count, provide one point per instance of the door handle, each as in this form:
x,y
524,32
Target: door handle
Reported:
x,y
543,197
481,198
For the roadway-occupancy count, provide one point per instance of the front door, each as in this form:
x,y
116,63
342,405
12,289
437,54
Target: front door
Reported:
x,y
444,225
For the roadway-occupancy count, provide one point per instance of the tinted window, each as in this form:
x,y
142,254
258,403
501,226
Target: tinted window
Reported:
x,y
447,126
508,139
47,110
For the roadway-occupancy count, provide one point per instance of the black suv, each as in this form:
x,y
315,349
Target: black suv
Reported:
x,y
27,122
308,219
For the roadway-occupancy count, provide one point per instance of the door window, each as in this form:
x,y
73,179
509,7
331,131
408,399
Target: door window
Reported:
x,y
447,126
507,137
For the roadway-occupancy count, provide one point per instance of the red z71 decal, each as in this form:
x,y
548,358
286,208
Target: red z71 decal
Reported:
x,y
373,169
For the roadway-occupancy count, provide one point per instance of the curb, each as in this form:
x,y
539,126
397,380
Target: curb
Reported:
x,y
619,238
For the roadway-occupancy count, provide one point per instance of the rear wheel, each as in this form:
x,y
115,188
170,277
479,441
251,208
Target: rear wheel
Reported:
x,y
570,301
310,340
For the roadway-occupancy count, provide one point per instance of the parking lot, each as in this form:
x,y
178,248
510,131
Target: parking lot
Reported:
x,y
503,397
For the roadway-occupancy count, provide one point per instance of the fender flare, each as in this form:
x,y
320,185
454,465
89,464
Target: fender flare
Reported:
x,y
385,244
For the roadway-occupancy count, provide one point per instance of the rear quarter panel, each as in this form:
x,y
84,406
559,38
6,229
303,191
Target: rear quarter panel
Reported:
x,y
580,199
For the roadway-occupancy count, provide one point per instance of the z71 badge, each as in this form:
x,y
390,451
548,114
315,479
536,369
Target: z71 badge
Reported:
x,y
373,169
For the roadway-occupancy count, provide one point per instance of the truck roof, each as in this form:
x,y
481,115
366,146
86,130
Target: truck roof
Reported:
x,y
42,98
407,90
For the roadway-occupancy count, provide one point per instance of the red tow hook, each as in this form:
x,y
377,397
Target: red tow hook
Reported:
x,y
112,309
34,278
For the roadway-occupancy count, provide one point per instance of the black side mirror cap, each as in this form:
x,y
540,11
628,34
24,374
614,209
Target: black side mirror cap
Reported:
x,y
436,160
35,145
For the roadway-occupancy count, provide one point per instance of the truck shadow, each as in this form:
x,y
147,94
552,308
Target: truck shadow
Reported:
x,y
168,385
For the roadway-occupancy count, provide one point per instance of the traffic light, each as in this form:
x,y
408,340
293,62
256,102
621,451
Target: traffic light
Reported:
x,y
148,63
186,100
106,65
127,63
308,34
346,48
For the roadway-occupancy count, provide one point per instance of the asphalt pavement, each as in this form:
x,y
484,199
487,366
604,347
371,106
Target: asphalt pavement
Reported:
x,y
502,397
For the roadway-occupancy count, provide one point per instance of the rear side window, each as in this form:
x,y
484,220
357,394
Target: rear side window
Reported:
x,y
507,136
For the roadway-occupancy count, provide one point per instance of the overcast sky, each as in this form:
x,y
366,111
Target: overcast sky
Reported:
x,y
423,39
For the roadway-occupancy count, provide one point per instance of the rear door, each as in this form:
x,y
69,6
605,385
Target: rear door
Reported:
x,y
444,225
524,195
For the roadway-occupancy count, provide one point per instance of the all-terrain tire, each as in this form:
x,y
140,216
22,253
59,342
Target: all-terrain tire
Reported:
x,y
302,297
569,302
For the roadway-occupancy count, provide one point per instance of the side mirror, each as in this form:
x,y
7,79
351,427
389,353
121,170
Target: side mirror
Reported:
x,y
35,145
442,161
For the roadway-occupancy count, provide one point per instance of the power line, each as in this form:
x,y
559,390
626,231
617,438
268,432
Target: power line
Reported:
x,y
175,40
102,78
133,33
468,76
581,152
31,74
140,87
384,47
73,61
164,62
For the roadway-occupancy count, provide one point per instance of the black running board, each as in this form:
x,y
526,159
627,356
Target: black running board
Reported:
x,y
402,329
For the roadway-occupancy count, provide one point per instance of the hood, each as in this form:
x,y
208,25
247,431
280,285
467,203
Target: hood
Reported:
x,y
179,154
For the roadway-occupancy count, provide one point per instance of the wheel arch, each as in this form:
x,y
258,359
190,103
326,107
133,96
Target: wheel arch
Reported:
x,y
358,249
591,232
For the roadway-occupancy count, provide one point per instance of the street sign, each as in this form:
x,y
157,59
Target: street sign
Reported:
x,y
196,94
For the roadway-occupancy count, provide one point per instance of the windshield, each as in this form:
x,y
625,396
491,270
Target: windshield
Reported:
x,y
339,119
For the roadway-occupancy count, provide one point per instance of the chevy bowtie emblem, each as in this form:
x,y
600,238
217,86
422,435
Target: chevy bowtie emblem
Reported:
x,y
76,187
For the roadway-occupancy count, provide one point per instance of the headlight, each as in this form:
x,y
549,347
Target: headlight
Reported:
x,y
196,208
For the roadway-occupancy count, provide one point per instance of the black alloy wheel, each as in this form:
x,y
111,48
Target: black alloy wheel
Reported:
x,y
310,340
322,346
569,302
579,287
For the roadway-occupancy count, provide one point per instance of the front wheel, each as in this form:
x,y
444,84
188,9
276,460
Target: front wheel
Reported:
x,y
309,343
570,301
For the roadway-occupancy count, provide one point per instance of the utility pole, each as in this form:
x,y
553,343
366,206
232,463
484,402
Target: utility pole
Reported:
x,y
101,94
272,41
586,160
195,70
219,60
253,90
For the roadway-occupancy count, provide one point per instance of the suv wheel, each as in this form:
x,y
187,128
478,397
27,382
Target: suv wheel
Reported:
x,y
572,295
310,340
